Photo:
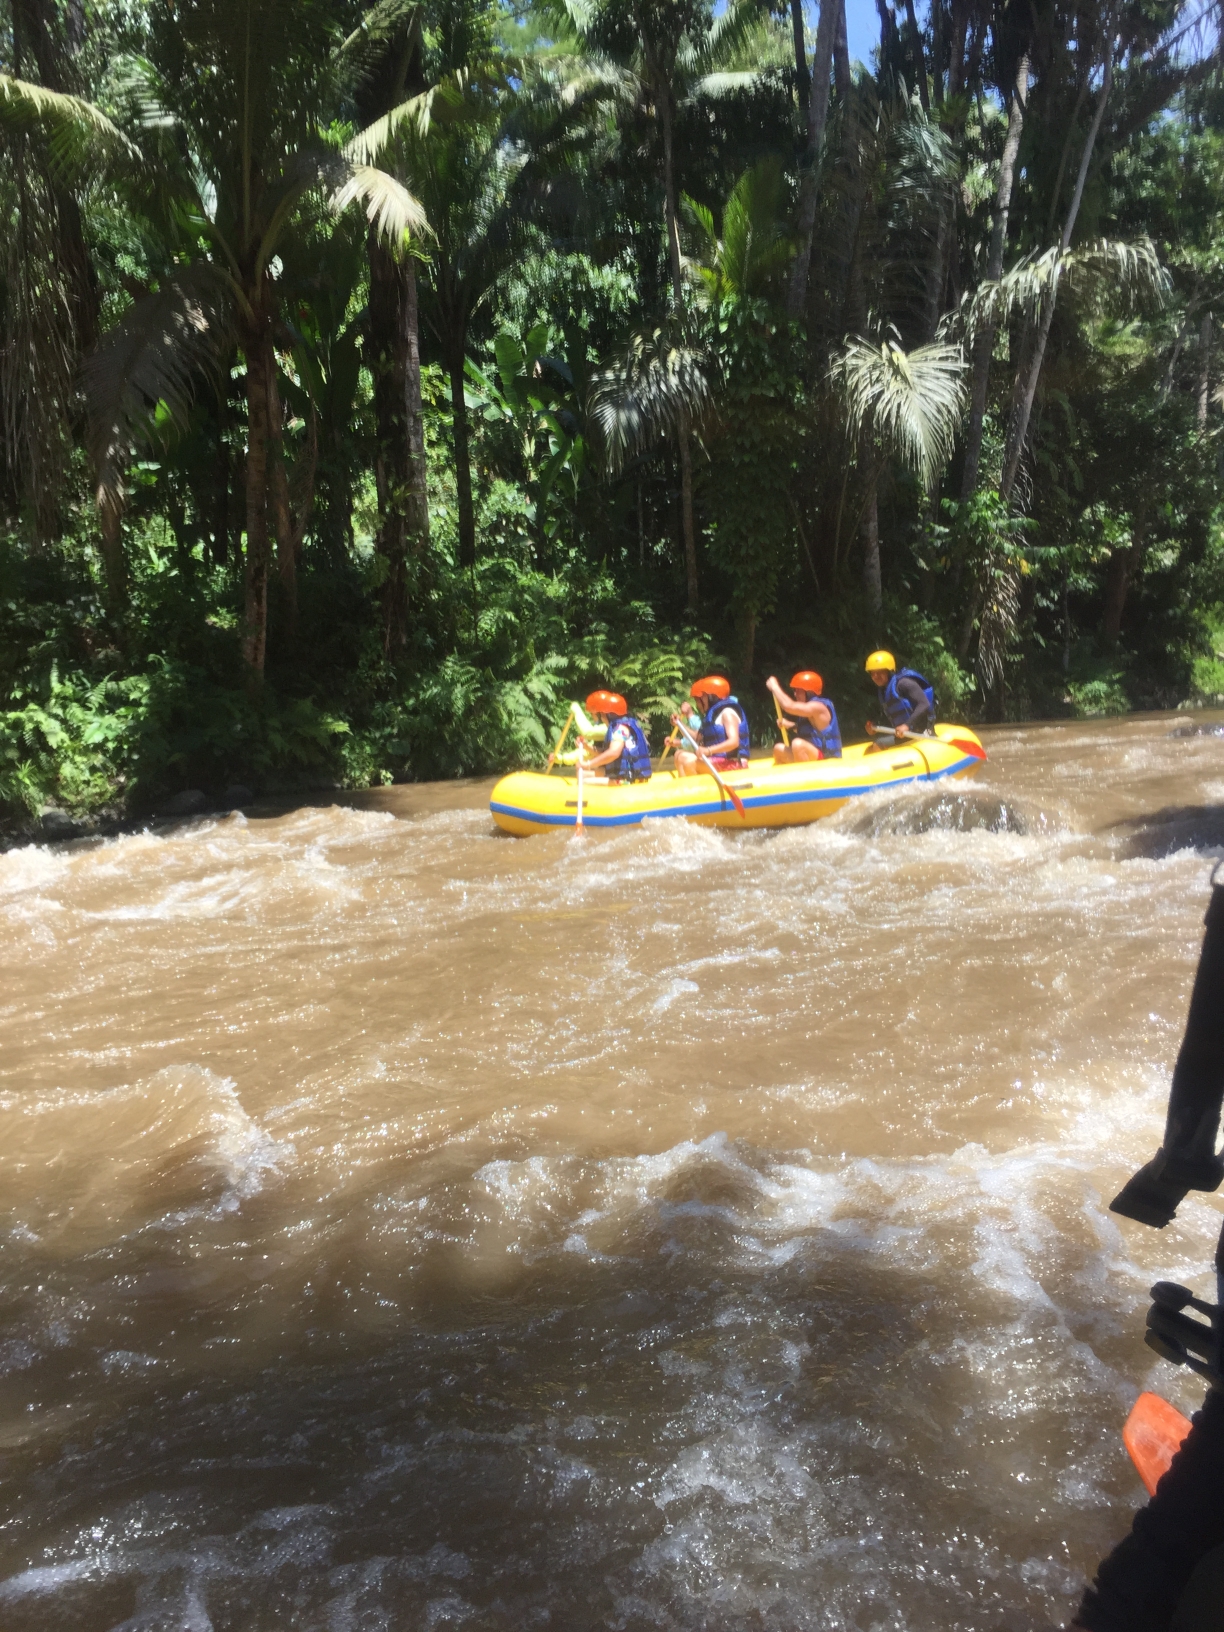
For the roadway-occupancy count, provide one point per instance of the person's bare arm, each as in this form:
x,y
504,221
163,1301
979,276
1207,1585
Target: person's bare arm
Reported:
x,y
614,750
813,709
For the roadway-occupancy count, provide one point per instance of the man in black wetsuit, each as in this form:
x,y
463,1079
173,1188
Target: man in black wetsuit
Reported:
x,y
907,698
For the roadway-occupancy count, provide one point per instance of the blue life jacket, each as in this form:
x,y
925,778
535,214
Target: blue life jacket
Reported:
x,y
712,734
634,762
829,740
899,708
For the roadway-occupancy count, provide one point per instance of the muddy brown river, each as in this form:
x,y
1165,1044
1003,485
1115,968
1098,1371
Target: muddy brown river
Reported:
x,y
405,1226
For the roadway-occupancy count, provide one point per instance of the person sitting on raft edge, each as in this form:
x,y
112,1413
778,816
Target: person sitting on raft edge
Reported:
x,y
814,730
907,698
724,728
626,753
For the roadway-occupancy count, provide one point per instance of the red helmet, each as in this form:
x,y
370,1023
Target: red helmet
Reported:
x,y
713,685
807,680
607,702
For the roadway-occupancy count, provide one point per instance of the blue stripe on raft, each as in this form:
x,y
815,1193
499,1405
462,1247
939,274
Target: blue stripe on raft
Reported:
x,y
715,806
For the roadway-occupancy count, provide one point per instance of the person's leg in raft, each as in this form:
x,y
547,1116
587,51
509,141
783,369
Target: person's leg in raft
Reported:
x,y
687,763
799,751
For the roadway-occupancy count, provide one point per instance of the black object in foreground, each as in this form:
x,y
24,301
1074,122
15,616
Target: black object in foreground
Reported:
x,y
1175,1336
1187,1158
1166,1575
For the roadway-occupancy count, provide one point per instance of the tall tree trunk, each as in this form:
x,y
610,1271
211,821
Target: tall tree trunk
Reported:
x,y
956,55
36,21
686,518
748,641
1081,96
1018,429
920,71
110,518
392,350
1204,379
872,579
385,360
983,344
803,82
672,225
841,52
818,115
257,346
278,499
416,509
1123,565
463,464
937,276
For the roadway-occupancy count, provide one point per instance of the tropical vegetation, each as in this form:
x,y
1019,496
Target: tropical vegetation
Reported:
x,y
372,381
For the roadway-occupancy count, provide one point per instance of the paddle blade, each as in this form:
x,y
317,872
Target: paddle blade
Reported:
x,y
1153,1435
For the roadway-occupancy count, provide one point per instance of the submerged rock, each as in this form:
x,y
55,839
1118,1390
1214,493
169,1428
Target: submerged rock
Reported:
x,y
235,797
57,824
188,803
945,811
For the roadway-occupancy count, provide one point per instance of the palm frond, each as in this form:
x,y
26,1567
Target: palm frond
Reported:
x,y
909,403
412,117
1103,269
714,86
655,387
366,46
151,363
751,248
701,217
77,130
392,210
727,34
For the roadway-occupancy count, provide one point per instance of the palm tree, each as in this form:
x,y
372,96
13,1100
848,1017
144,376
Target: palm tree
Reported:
x,y
816,108
655,55
392,336
739,262
238,98
465,171
902,408
50,141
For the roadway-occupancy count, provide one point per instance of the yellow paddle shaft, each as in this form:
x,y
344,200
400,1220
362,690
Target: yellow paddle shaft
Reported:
x,y
782,724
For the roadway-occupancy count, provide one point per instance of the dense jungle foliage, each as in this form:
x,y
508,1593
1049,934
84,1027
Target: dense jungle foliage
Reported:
x,y
374,381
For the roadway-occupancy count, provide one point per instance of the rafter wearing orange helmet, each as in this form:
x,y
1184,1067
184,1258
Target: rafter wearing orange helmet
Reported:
x,y
815,732
724,730
626,753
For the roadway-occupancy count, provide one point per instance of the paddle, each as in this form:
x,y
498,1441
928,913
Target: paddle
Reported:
x,y
578,823
1153,1435
701,755
782,726
587,729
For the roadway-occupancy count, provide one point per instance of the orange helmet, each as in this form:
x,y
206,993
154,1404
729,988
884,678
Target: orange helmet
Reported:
x,y
607,702
713,685
808,680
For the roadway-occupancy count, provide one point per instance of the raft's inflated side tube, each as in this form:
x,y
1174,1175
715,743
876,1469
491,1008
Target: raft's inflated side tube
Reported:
x,y
773,795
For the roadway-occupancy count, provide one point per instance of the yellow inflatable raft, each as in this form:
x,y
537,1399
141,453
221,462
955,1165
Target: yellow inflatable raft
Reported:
x,y
772,795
